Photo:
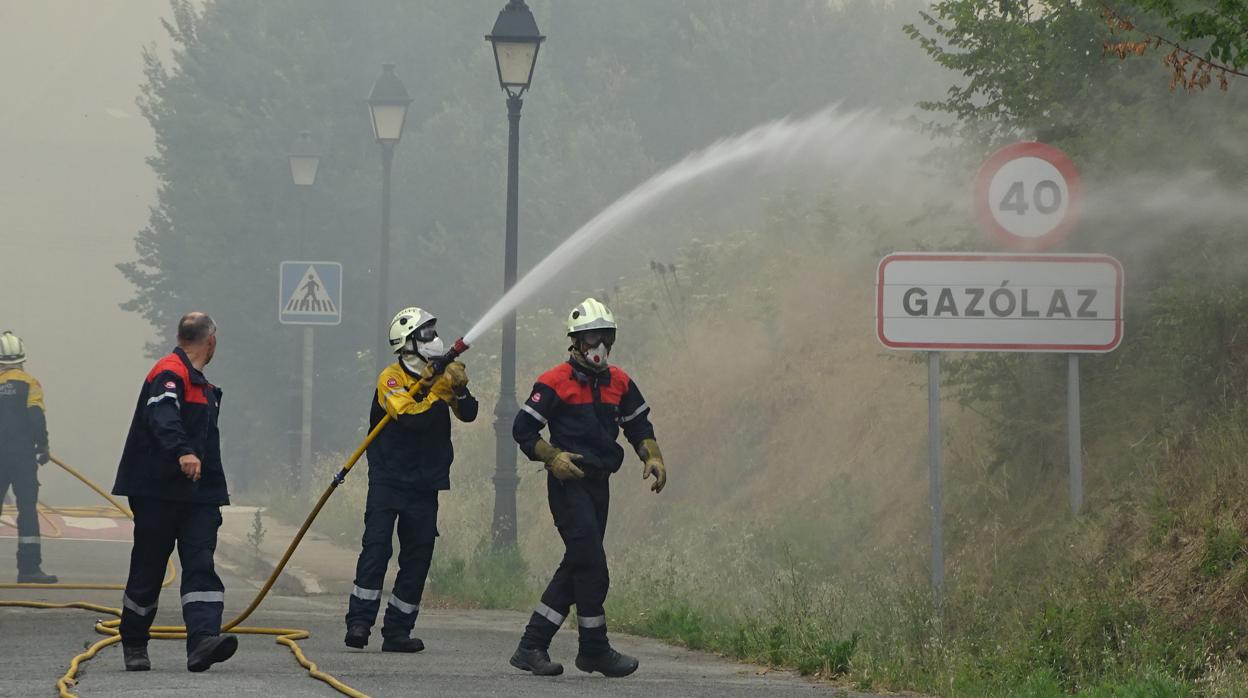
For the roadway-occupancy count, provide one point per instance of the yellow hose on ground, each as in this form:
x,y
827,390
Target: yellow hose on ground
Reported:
x,y
288,637
88,511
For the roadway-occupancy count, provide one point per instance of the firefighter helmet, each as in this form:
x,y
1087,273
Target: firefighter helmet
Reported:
x,y
590,315
12,350
409,321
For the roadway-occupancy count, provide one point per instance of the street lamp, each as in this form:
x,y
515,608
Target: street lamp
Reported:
x,y
305,159
387,108
515,39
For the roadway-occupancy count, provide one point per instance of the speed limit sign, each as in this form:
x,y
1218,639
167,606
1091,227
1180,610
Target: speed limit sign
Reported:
x,y
1027,195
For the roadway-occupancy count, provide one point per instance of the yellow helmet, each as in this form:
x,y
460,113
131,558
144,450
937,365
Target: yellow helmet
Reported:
x,y
12,350
590,315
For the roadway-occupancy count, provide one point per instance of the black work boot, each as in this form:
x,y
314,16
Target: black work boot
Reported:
x,y
29,561
136,658
357,636
608,663
402,644
536,661
36,576
211,650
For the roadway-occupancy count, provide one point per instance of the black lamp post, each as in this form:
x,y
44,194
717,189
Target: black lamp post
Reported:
x,y
305,159
387,107
516,40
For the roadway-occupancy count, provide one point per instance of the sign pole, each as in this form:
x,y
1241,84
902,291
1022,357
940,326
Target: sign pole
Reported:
x,y
1073,433
933,428
305,436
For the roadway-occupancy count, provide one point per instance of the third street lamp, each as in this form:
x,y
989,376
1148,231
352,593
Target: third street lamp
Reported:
x,y
387,107
305,159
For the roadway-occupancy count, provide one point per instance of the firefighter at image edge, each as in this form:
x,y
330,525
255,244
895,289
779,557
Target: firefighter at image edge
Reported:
x,y
585,402
171,471
409,464
23,448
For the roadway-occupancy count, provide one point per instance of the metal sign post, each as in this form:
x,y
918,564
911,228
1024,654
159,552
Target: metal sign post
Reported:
x,y
1073,435
937,508
308,293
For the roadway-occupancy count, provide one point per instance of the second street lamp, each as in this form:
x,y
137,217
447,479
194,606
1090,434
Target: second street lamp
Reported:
x,y
387,108
515,40
305,159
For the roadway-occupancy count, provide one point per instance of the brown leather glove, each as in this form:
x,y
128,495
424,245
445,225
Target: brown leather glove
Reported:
x,y
458,375
561,464
650,454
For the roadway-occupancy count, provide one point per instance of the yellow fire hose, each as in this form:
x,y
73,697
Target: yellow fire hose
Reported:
x,y
288,637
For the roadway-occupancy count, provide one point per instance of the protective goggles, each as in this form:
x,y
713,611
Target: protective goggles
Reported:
x,y
425,333
592,338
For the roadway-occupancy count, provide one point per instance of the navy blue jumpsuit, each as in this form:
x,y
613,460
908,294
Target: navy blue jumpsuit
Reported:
x,y
584,411
23,444
409,463
175,415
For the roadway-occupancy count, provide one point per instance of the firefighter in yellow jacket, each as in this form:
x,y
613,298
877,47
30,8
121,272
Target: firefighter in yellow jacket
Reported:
x,y
23,448
409,463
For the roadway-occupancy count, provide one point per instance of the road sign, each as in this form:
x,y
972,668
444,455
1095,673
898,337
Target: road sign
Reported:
x,y
999,302
310,293
1027,195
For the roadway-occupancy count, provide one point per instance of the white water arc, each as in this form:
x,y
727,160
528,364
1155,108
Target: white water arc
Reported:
x,y
782,153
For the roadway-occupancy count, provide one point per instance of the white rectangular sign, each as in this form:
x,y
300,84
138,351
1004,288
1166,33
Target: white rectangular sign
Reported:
x,y
999,302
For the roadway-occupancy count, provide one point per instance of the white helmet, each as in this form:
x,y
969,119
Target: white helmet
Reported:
x,y
12,350
406,323
590,315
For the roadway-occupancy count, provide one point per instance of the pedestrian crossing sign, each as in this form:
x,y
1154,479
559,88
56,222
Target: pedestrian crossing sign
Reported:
x,y
310,293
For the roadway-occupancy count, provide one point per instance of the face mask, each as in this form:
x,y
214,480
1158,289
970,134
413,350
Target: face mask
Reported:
x,y
597,356
432,349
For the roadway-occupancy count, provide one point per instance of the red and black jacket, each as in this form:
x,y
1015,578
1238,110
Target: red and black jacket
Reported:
x,y
176,415
585,412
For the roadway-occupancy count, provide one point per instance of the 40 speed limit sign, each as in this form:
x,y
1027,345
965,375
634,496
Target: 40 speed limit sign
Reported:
x,y
1027,195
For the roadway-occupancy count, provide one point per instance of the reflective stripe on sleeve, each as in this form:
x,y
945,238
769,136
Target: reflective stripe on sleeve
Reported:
x,y
366,594
28,540
533,412
162,396
203,597
636,413
549,614
408,608
141,610
591,621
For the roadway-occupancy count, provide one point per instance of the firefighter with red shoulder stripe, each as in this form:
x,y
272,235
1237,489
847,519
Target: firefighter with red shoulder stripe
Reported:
x,y
23,448
409,463
585,403
171,470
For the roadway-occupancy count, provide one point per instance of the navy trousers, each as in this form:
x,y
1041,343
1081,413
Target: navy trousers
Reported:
x,y
415,512
580,510
158,525
22,476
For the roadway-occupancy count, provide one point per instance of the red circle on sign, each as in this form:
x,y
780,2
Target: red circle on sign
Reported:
x,y
983,200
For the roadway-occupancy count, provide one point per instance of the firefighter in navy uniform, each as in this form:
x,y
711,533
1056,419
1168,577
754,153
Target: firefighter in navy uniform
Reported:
x,y
171,471
585,403
409,463
23,448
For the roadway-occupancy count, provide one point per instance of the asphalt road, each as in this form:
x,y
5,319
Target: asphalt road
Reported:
x,y
466,656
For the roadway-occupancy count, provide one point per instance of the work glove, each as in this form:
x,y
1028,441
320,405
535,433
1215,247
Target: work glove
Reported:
x,y
41,457
458,376
652,458
561,464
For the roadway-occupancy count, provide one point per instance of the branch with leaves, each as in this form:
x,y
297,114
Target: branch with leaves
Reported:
x,y
1225,26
